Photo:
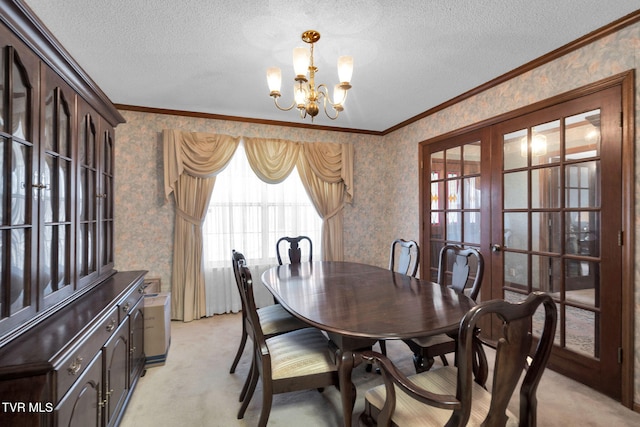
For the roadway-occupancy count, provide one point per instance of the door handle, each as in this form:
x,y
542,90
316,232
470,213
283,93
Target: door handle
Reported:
x,y
495,247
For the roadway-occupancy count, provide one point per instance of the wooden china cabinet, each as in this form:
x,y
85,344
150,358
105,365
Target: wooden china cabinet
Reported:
x,y
71,326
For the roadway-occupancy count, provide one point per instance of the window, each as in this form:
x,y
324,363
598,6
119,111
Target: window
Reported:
x,y
250,215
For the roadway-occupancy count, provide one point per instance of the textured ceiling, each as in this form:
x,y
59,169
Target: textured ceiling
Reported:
x,y
409,55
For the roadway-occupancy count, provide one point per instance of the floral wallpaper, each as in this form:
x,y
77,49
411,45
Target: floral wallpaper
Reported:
x,y
385,204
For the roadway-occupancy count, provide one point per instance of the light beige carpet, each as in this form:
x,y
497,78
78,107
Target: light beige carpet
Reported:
x,y
195,389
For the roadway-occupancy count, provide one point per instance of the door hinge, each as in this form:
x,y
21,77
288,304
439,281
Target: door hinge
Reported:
x,y
619,354
620,238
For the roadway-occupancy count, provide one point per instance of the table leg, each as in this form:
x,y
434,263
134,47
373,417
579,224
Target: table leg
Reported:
x,y
347,389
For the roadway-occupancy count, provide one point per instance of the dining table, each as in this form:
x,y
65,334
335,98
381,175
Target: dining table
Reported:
x,y
358,304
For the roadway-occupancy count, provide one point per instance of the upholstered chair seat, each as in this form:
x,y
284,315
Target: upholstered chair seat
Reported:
x,y
410,412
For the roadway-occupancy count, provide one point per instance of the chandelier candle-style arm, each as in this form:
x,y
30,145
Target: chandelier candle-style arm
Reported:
x,y
306,95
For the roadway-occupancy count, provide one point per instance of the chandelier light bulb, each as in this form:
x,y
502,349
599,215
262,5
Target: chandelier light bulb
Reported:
x,y
308,97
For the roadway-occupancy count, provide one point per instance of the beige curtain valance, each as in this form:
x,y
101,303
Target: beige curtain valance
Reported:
x,y
193,159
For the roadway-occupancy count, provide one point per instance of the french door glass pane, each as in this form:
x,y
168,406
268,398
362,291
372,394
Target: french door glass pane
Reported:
x,y
545,143
515,190
546,273
472,227
515,230
582,135
471,158
516,267
545,232
514,150
544,185
583,185
581,330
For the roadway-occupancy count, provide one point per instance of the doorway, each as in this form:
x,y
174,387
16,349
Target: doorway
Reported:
x,y
542,194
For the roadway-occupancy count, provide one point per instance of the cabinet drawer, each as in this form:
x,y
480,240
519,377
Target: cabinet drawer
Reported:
x,y
74,364
128,303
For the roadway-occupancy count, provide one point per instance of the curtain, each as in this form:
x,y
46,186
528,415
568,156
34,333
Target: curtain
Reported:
x,y
326,170
191,161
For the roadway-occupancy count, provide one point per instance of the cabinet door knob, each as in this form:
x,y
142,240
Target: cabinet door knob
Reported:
x,y
75,366
111,326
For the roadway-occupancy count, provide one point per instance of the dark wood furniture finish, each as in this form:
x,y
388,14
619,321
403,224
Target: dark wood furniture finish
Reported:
x,y
454,270
404,257
293,361
358,304
464,402
274,320
294,252
87,356
71,326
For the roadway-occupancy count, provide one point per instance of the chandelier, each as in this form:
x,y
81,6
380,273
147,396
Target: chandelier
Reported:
x,y
308,97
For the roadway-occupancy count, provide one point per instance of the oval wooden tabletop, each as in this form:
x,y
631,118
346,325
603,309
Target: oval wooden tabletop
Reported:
x,y
366,301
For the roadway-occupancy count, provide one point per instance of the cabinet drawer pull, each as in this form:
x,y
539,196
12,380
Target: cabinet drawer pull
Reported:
x,y
111,326
126,307
75,366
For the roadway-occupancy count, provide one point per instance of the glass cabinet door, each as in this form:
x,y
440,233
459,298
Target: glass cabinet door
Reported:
x,y
106,200
87,197
19,187
56,177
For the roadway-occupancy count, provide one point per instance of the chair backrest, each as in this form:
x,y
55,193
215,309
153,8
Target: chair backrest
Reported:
x,y
512,352
454,269
407,253
236,259
255,331
295,252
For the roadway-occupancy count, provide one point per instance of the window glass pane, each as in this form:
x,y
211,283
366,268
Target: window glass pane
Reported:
x,y
514,149
545,188
454,158
437,225
581,330
454,227
82,143
583,185
437,164
516,266
515,190
471,193
516,230
453,194
471,158
582,135
472,227
582,229
546,233
250,215
545,143
546,273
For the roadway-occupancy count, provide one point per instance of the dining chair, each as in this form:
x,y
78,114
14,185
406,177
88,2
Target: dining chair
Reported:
x,y
273,318
404,258
295,251
450,396
454,270
297,360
